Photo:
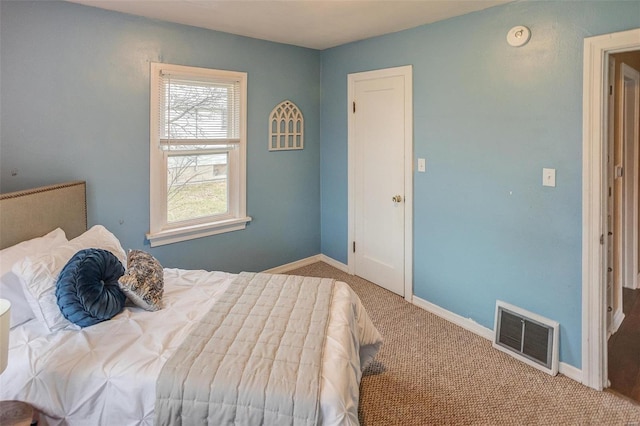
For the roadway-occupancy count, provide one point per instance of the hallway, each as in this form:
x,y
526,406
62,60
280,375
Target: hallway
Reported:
x,y
624,349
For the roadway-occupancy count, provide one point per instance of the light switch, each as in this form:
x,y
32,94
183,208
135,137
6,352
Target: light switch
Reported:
x,y
549,177
422,164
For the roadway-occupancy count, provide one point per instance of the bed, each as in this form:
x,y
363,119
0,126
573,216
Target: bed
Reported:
x,y
109,373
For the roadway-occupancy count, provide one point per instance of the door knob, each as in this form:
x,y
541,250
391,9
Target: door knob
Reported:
x,y
397,198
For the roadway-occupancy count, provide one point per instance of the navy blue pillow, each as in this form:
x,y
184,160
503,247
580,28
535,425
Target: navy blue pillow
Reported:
x,y
87,290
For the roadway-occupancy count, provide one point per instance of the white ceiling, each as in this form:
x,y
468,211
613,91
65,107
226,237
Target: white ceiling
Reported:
x,y
308,23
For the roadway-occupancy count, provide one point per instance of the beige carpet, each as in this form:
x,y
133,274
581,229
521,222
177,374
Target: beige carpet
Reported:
x,y
431,372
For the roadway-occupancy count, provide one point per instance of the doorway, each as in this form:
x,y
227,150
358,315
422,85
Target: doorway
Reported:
x,y
597,51
623,319
380,167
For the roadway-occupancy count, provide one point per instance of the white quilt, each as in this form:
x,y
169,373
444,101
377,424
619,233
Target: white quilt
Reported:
x,y
106,374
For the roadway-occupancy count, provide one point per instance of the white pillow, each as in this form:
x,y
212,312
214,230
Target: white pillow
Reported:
x,y
39,274
10,286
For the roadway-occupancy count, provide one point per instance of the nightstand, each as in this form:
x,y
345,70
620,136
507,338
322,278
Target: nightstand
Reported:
x,y
17,413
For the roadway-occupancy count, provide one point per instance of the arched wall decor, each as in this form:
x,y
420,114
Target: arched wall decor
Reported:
x,y
286,127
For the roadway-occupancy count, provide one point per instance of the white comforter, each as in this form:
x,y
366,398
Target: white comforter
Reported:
x,y
106,374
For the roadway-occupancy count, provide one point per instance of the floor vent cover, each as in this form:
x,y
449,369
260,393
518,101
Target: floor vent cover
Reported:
x,y
529,337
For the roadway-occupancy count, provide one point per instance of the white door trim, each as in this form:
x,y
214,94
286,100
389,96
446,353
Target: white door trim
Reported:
x,y
612,279
407,72
594,179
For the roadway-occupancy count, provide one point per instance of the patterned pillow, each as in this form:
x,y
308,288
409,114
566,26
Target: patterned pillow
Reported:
x,y
143,282
87,290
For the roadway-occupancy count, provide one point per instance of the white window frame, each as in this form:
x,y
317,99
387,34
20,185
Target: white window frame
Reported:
x,y
161,231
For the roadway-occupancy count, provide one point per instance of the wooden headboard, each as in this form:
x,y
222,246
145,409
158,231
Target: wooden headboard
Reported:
x,y
35,212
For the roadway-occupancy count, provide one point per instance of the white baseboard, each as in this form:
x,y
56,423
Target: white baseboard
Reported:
x,y
570,371
468,324
308,261
294,265
332,262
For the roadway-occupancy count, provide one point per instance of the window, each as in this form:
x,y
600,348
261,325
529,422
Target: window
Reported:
x,y
197,153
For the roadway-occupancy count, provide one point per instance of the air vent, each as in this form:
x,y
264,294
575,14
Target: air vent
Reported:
x,y
529,337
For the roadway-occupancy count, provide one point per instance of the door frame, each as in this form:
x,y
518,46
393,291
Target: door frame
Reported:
x,y
594,208
611,249
406,72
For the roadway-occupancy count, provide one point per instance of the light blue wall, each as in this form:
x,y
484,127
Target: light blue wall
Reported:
x,y
74,84
488,118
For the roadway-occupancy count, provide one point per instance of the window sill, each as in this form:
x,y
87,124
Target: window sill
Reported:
x,y
186,233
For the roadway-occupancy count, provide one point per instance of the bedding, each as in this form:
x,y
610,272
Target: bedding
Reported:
x,y
10,285
106,374
253,359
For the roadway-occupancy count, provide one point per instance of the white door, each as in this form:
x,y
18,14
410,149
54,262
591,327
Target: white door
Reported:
x,y
629,116
378,137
